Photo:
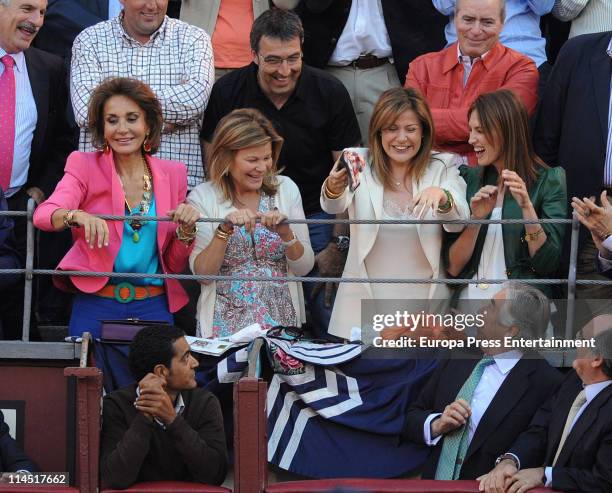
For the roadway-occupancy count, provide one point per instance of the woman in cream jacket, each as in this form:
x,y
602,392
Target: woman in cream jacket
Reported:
x,y
402,179
244,186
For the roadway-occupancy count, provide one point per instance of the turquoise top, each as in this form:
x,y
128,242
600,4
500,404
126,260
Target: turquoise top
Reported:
x,y
140,255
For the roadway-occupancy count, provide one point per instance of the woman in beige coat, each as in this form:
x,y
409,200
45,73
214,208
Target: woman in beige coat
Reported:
x,y
402,179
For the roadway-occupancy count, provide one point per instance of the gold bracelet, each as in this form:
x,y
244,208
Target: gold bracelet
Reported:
x,y
68,218
186,238
328,193
533,236
222,234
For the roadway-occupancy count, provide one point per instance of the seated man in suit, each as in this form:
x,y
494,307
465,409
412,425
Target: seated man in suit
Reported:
x,y
471,410
453,78
162,428
12,458
568,445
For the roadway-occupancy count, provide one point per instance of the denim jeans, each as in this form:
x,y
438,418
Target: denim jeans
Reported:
x,y
89,310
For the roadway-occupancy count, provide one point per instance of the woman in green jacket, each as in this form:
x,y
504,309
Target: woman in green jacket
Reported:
x,y
510,182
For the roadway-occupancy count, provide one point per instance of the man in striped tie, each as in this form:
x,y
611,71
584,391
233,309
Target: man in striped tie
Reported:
x,y
568,445
476,404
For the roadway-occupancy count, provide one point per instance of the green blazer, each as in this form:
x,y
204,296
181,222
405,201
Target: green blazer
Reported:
x,y
549,198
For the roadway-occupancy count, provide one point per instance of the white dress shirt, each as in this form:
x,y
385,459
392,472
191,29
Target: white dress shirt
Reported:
x,y
365,33
605,263
492,379
26,116
591,392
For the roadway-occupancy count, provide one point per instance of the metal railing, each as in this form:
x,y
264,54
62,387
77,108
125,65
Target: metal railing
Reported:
x,y
571,280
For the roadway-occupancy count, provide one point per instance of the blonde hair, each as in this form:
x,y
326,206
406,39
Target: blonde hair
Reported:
x,y
241,129
391,104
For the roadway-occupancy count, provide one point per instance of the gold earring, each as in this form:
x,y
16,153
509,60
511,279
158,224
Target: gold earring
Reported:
x,y
105,147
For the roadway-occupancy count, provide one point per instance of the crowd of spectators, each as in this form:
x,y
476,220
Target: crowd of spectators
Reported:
x,y
247,111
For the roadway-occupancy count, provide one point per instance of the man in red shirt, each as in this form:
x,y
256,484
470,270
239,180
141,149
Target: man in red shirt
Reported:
x,y
453,78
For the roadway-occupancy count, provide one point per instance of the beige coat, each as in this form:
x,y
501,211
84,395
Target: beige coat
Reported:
x,y
367,203
209,201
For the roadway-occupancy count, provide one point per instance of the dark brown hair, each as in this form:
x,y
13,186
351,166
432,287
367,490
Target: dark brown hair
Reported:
x,y
132,89
504,121
241,129
391,104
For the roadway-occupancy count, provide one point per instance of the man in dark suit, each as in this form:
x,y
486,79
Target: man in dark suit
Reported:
x,y
35,98
568,445
571,130
505,394
12,457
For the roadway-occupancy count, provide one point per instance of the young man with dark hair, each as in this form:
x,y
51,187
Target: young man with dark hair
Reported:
x,y
162,428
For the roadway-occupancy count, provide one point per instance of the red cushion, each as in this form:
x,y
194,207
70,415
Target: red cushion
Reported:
x,y
171,487
4,488
382,486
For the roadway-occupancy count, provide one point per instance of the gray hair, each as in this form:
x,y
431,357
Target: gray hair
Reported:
x,y
502,11
603,348
5,3
278,24
526,308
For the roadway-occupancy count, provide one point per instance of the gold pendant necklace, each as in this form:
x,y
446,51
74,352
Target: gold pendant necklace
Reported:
x,y
145,202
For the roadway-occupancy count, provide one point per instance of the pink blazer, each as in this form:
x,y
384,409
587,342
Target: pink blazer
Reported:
x,y
91,183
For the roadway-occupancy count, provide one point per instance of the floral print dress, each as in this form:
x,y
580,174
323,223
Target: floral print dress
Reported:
x,y
241,303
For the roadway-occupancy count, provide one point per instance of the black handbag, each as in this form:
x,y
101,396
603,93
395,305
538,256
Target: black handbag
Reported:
x,y
123,331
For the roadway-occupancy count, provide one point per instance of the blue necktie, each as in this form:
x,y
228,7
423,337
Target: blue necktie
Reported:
x,y
456,443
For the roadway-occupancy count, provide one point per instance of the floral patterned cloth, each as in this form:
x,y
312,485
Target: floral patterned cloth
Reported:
x,y
241,303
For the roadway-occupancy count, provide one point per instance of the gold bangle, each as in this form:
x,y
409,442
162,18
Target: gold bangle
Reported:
x,y
328,193
533,236
222,234
68,218
184,237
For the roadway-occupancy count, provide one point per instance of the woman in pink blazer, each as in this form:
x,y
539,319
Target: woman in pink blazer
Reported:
x,y
125,121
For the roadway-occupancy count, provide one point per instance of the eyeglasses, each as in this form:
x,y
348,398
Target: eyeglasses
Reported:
x,y
276,61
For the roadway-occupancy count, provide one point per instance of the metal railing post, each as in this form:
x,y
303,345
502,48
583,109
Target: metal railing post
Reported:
x,y
571,279
27,292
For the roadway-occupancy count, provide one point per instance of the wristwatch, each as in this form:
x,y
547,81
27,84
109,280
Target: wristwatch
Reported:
x,y
342,242
512,457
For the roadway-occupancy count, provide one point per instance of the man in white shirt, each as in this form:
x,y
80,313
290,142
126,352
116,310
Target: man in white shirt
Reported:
x,y
568,445
368,44
174,58
472,409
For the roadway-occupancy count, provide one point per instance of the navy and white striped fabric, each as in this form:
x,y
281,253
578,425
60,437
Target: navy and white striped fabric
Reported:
x,y
345,421
341,416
